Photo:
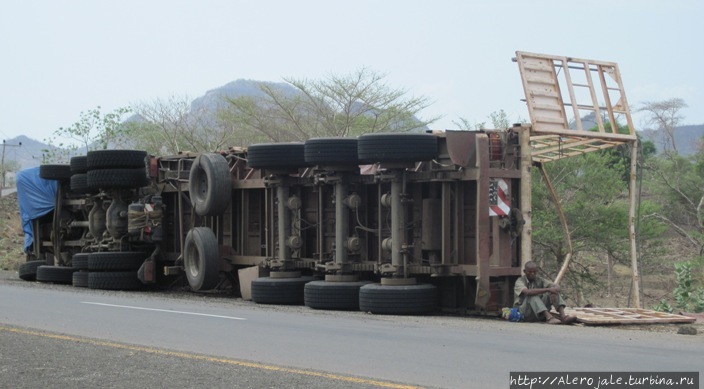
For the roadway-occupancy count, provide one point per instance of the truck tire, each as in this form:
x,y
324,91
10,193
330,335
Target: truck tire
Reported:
x,y
28,270
80,279
116,159
340,296
55,172
397,147
276,156
79,261
266,290
210,185
79,165
398,300
117,178
201,259
121,280
55,274
110,260
331,151
79,183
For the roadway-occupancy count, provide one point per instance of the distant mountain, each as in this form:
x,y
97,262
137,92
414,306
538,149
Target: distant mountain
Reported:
x,y
216,98
687,138
29,154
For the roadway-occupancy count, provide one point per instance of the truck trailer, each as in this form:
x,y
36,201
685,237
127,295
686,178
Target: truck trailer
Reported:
x,y
391,223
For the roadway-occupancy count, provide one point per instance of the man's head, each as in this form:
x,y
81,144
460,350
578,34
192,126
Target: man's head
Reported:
x,y
531,270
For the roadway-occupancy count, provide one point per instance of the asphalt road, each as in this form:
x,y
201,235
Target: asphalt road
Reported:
x,y
228,333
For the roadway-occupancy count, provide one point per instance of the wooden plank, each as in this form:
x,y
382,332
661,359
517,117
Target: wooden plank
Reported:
x,y
606,316
592,144
587,134
573,99
536,79
547,107
607,98
551,119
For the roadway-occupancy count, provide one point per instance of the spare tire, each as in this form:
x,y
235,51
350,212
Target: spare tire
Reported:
x,y
209,184
201,259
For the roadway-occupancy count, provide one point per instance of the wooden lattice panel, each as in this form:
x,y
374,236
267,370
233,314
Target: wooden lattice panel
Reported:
x,y
560,93
605,316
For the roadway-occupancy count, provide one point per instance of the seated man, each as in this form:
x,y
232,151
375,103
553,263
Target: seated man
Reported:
x,y
535,296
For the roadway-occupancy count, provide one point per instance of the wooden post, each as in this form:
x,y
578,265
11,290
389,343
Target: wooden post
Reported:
x,y
631,226
2,161
563,221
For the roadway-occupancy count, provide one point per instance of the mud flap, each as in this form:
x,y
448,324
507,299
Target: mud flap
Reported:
x,y
146,272
246,276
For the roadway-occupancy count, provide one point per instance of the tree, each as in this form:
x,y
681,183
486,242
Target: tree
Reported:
x,y
93,130
499,119
678,185
9,166
665,116
677,181
338,106
172,125
595,202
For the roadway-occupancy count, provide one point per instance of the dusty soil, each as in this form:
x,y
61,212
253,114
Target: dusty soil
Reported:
x,y
11,235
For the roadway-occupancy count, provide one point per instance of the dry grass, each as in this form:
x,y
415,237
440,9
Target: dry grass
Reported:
x,y
657,279
11,236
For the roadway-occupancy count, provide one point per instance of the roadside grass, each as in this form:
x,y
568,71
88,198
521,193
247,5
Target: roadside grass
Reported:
x,y
11,237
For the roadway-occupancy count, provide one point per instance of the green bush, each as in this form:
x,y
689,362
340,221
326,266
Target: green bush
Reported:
x,y
689,295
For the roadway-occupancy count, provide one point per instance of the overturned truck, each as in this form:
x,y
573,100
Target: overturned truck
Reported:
x,y
398,223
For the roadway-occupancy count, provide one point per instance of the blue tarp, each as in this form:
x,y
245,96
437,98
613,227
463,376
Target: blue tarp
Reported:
x,y
36,197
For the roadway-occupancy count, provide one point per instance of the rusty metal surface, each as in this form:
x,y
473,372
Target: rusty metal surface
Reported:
x,y
461,145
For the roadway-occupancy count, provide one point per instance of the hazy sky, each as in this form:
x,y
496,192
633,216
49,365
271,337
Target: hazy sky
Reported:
x,y
61,57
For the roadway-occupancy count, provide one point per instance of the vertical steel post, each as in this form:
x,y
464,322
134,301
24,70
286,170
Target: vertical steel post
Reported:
x,y
284,225
342,225
526,198
397,222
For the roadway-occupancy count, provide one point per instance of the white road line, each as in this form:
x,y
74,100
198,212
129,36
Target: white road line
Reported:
x,y
164,310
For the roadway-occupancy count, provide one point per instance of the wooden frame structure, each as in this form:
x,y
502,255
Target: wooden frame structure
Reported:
x,y
553,83
589,88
